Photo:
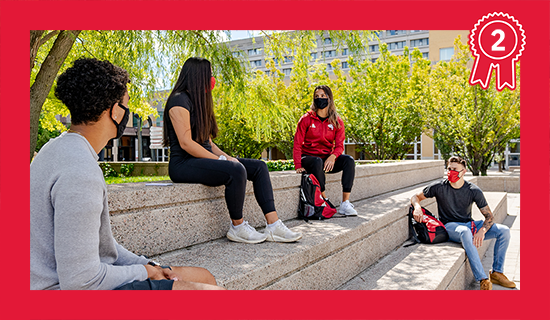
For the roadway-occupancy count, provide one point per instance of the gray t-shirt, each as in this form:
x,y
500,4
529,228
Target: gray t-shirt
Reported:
x,y
72,246
455,205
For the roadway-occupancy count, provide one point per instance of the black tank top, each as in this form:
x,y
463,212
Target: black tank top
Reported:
x,y
181,100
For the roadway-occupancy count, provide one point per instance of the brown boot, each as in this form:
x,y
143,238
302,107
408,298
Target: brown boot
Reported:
x,y
500,279
485,284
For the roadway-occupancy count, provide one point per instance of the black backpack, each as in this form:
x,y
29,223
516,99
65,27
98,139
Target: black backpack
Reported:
x,y
429,231
312,205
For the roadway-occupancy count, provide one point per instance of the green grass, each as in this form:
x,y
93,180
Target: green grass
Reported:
x,y
117,180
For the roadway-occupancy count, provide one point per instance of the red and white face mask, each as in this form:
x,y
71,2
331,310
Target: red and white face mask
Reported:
x,y
452,175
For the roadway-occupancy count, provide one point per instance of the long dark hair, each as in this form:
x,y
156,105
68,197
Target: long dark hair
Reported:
x,y
194,79
332,114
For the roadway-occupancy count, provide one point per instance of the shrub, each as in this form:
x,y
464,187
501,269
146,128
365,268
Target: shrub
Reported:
x,y
280,165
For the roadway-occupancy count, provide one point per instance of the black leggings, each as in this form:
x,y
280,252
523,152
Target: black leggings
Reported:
x,y
344,162
232,174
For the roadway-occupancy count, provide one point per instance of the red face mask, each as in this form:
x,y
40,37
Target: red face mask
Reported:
x,y
453,175
212,83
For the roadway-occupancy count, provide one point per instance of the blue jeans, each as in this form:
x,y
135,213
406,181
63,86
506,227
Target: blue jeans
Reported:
x,y
461,232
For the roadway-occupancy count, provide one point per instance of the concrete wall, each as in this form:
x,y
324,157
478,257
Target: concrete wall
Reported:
x,y
150,219
500,184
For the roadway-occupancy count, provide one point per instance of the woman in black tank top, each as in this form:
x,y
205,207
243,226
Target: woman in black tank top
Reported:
x,y
189,127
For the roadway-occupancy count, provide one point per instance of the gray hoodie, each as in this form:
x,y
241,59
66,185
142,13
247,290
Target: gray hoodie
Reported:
x,y
72,246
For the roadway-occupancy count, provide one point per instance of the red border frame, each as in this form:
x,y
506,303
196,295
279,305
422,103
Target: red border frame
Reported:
x,y
18,17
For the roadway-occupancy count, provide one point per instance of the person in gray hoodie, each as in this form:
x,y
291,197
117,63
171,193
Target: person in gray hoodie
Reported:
x,y
71,243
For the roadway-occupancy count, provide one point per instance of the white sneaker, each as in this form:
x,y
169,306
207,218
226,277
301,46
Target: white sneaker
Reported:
x,y
245,233
280,233
347,209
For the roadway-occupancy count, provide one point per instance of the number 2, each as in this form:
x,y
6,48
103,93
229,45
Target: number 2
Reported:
x,y
495,46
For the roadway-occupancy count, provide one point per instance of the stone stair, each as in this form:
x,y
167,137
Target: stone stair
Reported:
x,y
442,266
185,224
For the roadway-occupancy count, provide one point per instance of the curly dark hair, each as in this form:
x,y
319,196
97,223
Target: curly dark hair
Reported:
x,y
90,87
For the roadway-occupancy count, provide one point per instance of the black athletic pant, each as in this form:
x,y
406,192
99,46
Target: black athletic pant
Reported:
x,y
232,174
344,162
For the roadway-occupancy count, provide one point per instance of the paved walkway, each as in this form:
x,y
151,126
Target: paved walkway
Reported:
x,y
512,262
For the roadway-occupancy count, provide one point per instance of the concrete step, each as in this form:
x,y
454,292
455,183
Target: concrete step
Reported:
x,y
442,266
330,254
152,220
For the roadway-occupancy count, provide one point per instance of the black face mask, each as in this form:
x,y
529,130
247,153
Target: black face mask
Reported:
x,y
122,125
321,103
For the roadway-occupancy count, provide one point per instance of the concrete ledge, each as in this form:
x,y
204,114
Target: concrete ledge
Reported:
x,y
151,220
509,184
427,267
330,253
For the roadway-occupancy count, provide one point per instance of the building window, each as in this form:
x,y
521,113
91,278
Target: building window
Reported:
x,y
256,63
267,72
330,53
420,42
287,71
425,55
446,53
288,59
374,48
344,52
328,41
329,67
237,54
415,31
314,55
414,151
395,32
373,60
397,45
254,52
345,65
160,118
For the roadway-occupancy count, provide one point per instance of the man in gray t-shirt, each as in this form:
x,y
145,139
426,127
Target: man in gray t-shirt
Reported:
x,y
72,246
455,197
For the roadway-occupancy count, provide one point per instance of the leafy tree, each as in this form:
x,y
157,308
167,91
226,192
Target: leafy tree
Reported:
x,y
147,55
268,110
44,135
152,55
383,103
468,121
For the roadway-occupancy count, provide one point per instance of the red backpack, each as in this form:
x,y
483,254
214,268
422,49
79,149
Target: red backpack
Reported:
x,y
312,205
429,231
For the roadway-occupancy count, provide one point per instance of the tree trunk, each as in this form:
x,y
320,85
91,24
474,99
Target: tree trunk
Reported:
x,y
45,78
36,35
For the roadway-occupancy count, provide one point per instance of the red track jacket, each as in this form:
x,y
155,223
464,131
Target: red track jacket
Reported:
x,y
316,138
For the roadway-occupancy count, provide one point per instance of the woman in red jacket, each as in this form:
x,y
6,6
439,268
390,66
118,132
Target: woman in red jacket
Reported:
x,y
319,144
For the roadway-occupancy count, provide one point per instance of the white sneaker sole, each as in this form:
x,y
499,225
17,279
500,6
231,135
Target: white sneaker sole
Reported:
x,y
348,214
274,238
236,239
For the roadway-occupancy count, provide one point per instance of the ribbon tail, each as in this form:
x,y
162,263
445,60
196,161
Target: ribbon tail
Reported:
x,y
481,73
506,75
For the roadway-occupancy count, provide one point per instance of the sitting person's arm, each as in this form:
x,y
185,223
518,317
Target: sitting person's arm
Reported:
x,y
217,151
487,224
338,149
415,201
180,118
299,137
81,228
